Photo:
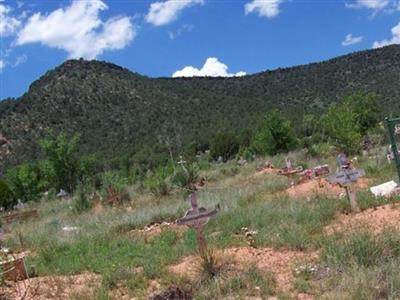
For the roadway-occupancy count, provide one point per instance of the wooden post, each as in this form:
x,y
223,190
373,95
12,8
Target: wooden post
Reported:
x,y
352,196
196,218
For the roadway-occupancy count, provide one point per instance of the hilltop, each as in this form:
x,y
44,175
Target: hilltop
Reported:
x,y
119,112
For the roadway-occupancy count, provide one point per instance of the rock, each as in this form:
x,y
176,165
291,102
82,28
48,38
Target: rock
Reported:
x,y
173,292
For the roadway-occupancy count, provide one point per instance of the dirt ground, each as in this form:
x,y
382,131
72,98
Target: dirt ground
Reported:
x,y
321,186
53,287
280,263
376,219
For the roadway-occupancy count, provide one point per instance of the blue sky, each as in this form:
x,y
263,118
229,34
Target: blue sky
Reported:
x,y
186,37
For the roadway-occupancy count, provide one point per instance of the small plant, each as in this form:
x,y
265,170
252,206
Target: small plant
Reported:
x,y
186,175
82,202
209,264
158,183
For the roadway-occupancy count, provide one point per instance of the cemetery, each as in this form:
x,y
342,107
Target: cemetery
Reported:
x,y
272,226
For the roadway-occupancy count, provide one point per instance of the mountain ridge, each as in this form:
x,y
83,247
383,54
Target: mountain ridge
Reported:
x,y
106,102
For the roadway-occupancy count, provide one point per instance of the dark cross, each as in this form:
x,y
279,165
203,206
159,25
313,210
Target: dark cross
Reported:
x,y
346,177
196,218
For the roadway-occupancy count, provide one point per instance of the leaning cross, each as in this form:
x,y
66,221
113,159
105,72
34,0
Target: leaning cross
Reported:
x,y
346,177
196,218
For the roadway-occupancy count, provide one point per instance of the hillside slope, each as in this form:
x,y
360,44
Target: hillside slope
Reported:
x,y
120,112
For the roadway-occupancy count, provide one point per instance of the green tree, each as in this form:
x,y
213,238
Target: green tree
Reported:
x,y
366,108
342,127
275,135
63,161
224,144
7,200
24,181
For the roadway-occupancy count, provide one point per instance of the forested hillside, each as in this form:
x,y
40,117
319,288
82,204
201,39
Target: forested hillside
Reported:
x,y
121,113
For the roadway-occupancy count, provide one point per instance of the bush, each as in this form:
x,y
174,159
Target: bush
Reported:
x,y
276,135
25,182
64,162
342,128
186,175
82,202
224,145
7,199
158,183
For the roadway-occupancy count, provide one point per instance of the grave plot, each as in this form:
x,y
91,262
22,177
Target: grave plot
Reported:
x,y
393,126
281,263
54,287
376,219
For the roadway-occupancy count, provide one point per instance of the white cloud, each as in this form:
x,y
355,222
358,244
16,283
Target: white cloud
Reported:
x,y
375,5
264,8
78,30
394,40
20,60
162,13
212,67
2,65
351,40
8,23
184,28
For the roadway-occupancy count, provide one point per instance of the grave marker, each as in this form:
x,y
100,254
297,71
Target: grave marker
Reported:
x,y
346,177
196,218
393,126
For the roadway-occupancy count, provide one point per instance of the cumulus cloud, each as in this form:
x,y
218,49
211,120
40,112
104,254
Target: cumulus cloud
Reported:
x,y
78,30
394,40
212,67
8,24
351,40
264,8
162,13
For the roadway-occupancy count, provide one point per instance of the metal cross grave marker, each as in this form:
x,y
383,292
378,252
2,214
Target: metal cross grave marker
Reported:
x,y
393,126
346,177
196,218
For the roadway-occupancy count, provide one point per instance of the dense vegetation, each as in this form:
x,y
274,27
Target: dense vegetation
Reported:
x,y
128,119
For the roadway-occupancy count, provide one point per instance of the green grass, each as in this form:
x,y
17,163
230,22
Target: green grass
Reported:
x,y
363,266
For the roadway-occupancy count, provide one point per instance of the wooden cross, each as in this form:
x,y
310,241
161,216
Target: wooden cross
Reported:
x,y
346,177
196,218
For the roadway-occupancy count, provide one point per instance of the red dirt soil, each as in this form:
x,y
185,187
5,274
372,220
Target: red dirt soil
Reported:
x,y
374,218
321,186
53,287
280,263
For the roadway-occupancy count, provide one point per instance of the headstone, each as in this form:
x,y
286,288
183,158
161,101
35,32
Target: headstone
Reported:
x,y
62,194
242,162
346,177
397,129
196,218
393,126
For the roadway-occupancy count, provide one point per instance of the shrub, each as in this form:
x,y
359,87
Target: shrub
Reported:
x,y
158,183
82,202
186,175
7,199
64,161
25,182
342,128
224,145
275,135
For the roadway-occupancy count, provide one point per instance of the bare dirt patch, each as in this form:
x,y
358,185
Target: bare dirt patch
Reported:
x,y
376,219
321,186
53,287
280,263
